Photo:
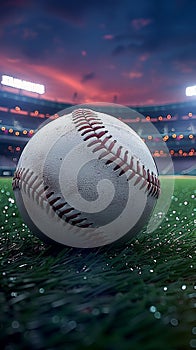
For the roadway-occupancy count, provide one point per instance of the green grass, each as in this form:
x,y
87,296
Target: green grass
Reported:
x,y
139,297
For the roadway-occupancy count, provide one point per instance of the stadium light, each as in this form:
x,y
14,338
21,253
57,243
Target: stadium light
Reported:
x,y
191,90
22,84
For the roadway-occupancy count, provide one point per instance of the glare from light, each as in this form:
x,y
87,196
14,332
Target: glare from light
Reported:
x,y
22,84
191,90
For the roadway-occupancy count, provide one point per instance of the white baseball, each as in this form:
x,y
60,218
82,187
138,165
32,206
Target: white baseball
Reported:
x,y
86,180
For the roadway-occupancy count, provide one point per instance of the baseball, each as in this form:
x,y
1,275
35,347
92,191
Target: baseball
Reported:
x,y
86,180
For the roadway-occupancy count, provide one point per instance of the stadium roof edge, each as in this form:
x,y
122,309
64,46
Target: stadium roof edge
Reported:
x,y
166,106
33,100
62,105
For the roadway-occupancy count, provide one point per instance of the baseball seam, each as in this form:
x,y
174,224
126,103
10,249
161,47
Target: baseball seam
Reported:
x,y
35,188
92,130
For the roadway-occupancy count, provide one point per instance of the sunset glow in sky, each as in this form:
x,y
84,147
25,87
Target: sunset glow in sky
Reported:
x,y
130,52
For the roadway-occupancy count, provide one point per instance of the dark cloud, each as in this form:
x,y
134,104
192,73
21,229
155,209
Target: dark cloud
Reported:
x,y
76,10
113,41
87,77
132,46
165,31
9,8
32,42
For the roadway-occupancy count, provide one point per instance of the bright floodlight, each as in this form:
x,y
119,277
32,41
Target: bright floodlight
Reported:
x,y
22,84
191,90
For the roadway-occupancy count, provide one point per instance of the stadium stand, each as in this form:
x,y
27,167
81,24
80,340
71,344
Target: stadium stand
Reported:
x,y
173,134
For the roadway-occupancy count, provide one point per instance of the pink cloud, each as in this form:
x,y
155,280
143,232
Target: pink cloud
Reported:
x,y
133,75
29,34
183,67
139,23
144,57
108,36
62,85
83,53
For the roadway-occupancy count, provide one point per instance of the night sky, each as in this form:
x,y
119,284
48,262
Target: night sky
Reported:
x,y
131,52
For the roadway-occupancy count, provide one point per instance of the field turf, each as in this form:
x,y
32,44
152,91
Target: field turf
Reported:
x,y
139,297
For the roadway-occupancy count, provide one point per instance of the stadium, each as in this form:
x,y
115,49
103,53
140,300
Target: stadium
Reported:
x,y
137,297
21,116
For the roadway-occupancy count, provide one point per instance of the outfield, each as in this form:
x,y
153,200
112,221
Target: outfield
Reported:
x,y
140,297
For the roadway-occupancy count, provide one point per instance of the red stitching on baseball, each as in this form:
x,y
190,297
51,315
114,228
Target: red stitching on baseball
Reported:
x,y
99,135
82,119
28,181
54,200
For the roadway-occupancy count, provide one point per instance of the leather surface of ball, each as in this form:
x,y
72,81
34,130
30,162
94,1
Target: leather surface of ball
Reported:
x,y
86,180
